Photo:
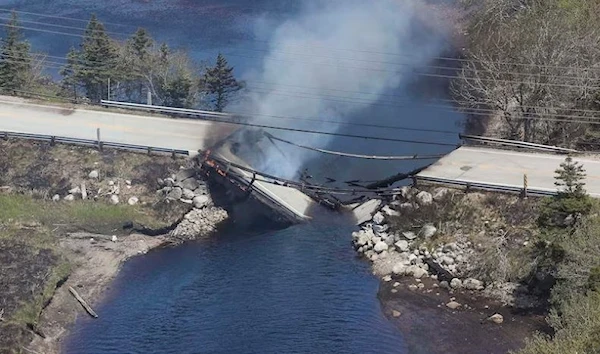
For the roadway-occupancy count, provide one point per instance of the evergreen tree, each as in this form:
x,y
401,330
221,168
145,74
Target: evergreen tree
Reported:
x,y
15,58
177,91
569,178
220,84
99,60
138,62
140,45
70,73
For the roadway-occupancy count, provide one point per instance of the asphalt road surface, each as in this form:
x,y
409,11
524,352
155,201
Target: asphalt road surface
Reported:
x,y
18,115
506,168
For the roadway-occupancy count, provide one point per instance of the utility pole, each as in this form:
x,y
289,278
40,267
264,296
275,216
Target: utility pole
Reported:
x,y
108,92
149,97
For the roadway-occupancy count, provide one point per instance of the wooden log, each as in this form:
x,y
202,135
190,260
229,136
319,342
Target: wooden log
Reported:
x,y
83,303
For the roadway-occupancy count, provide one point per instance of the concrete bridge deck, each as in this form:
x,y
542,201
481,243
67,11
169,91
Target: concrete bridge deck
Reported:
x,y
504,170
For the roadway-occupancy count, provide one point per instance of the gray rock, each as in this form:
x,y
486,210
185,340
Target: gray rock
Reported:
x,y
55,198
447,260
187,194
440,193
190,183
201,201
409,235
389,211
401,246
69,198
424,198
455,283
496,318
378,218
128,182
406,206
114,199
419,272
399,269
389,240
160,182
383,254
473,284
184,174
387,278
412,287
453,305
111,183
450,247
380,247
94,174
380,229
444,284
428,231
75,190
133,201
412,258
404,192
175,193
169,182
396,314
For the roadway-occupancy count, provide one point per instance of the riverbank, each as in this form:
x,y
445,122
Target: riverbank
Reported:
x,y
463,260
71,216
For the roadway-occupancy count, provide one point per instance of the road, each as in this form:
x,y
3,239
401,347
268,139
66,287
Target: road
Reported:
x,y
18,115
506,168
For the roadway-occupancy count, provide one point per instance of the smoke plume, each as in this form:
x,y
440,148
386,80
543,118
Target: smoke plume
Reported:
x,y
333,61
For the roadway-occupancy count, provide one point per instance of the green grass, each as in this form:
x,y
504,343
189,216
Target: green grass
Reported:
x,y
83,215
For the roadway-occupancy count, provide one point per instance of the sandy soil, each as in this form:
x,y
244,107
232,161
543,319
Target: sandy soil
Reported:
x,y
95,264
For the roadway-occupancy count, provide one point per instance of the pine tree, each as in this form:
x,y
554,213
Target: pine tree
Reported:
x,y
99,60
569,178
220,84
70,73
15,58
139,61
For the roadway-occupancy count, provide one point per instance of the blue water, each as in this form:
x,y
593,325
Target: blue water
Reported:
x,y
299,290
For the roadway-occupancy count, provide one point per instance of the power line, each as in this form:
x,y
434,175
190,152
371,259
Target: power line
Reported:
x,y
63,26
61,17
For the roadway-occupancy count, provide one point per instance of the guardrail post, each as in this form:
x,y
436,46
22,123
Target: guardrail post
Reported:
x,y
524,186
149,150
52,140
5,135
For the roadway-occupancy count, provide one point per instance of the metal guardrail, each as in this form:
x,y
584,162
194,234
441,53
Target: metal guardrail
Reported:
x,y
485,186
167,110
521,144
92,143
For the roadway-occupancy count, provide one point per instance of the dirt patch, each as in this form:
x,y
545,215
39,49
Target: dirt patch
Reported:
x,y
431,327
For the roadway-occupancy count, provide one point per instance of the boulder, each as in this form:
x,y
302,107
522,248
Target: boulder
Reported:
x,y
190,183
133,201
128,182
378,218
412,258
114,199
424,198
380,229
201,201
55,198
428,231
111,183
395,314
187,194
444,284
453,305
447,260
389,211
387,278
406,206
114,238
69,197
160,182
94,174
496,318
75,190
409,235
175,193
399,269
439,193
380,247
473,284
401,246
169,182
383,254
419,272
455,283
184,174
412,287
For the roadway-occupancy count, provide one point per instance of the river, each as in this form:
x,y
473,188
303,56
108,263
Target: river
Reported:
x,y
298,290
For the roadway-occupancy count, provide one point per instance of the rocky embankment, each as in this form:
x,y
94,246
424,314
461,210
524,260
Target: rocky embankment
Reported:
x,y
446,255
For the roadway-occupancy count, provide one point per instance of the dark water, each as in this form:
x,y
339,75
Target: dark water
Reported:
x,y
300,290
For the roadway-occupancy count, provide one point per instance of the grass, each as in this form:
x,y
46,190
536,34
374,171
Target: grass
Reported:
x,y
82,215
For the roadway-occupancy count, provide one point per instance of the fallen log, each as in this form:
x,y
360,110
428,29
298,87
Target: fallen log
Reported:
x,y
83,303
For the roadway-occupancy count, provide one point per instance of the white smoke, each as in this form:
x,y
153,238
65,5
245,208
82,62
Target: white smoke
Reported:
x,y
329,50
